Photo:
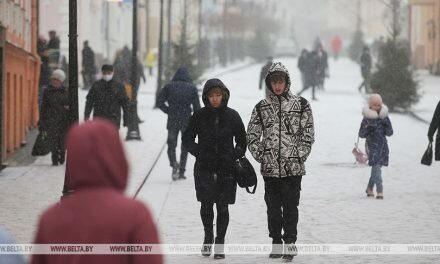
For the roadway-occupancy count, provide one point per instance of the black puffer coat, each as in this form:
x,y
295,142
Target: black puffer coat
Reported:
x,y
176,98
215,153
433,127
106,100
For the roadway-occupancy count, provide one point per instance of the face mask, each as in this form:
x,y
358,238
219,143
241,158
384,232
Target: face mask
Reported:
x,y
107,77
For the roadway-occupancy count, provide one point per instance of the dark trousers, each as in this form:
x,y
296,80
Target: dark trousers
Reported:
x,y
282,200
57,149
307,87
207,215
172,144
366,82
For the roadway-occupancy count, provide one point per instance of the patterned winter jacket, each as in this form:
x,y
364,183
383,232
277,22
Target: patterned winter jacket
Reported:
x,y
281,132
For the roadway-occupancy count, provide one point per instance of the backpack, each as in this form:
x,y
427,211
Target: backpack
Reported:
x,y
245,174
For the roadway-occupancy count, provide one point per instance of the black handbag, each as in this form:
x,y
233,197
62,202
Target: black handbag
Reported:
x,y
245,174
427,156
41,146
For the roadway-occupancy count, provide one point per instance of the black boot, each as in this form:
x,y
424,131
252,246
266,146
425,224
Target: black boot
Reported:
x,y
175,172
219,248
207,245
277,249
182,174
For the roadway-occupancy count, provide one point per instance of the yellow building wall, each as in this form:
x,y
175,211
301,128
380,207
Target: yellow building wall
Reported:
x,y
425,33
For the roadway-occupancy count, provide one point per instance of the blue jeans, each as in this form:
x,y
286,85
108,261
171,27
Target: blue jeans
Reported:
x,y
376,178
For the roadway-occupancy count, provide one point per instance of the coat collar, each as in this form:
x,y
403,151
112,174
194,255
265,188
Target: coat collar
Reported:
x,y
370,114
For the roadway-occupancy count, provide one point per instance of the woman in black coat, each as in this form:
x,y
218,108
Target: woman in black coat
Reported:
x,y
216,126
434,126
54,115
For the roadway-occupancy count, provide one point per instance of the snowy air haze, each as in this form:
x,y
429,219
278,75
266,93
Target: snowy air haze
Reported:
x,y
234,44
333,208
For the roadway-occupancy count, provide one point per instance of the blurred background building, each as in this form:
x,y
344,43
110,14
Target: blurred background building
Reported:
x,y
424,34
19,72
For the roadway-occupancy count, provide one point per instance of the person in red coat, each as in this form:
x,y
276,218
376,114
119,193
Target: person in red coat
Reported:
x,y
336,46
97,212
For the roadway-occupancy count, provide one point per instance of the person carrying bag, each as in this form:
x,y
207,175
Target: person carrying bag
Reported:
x,y
427,156
245,174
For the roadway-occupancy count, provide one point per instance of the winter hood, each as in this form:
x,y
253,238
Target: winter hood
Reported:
x,y
278,67
371,114
96,157
212,83
182,75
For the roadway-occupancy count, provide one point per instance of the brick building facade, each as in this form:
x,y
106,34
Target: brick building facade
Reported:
x,y
19,72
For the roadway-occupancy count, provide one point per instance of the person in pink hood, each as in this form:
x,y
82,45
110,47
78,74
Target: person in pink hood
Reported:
x,y
97,212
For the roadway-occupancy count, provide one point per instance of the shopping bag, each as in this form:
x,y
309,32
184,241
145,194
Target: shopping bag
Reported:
x,y
427,156
41,146
360,157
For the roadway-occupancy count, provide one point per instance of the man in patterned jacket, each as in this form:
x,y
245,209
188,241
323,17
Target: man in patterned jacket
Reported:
x,y
280,136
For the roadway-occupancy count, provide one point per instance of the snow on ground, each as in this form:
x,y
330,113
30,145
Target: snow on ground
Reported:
x,y
333,207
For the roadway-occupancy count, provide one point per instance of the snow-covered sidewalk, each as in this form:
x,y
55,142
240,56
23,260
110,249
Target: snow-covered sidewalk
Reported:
x,y
333,207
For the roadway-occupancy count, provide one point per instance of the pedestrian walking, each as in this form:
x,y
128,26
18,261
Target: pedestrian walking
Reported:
x,y
107,98
216,126
365,63
151,59
178,99
375,127
123,74
322,69
45,73
302,66
53,48
123,68
54,115
309,63
88,66
433,128
54,40
263,73
98,212
280,136
336,46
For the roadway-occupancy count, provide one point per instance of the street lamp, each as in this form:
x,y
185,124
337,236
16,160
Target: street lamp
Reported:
x,y
133,124
160,59
73,80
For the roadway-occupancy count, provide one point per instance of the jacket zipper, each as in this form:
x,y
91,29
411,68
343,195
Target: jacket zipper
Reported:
x,y
216,133
216,122
279,139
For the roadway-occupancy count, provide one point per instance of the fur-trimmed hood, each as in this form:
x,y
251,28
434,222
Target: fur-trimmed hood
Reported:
x,y
371,114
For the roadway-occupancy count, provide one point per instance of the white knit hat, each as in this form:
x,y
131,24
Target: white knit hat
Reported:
x,y
59,75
